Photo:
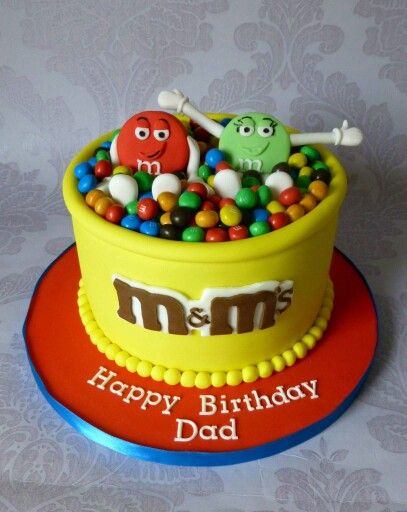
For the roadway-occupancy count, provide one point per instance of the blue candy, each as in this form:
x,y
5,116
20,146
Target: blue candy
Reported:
x,y
132,222
106,144
92,161
260,214
225,121
213,157
146,195
87,183
82,170
150,228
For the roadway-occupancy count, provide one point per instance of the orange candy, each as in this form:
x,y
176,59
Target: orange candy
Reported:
x,y
206,219
93,196
308,202
102,205
318,189
167,201
295,212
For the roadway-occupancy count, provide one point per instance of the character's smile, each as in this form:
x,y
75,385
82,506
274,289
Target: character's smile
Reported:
x,y
154,155
256,150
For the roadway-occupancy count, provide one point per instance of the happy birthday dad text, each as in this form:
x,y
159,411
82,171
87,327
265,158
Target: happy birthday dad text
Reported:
x,y
186,429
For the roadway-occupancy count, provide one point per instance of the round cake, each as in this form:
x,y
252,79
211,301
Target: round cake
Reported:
x,y
202,314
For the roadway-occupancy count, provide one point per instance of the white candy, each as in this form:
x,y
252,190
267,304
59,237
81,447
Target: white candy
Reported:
x,y
123,189
227,183
278,181
166,183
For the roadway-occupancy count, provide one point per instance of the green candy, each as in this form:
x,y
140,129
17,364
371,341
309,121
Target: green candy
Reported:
x,y
189,200
303,181
204,172
255,141
144,180
193,234
131,208
246,198
264,194
102,154
249,181
310,152
318,165
261,227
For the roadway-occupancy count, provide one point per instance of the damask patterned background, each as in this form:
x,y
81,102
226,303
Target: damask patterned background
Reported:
x,y
72,69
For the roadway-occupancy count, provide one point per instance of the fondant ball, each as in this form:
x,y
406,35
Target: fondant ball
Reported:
x,y
279,181
123,188
227,183
166,183
255,141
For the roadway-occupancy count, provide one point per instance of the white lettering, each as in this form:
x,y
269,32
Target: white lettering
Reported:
x,y
170,402
104,378
208,406
311,387
180,432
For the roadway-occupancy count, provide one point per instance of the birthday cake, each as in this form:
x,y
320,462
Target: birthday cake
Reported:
x,y
205,242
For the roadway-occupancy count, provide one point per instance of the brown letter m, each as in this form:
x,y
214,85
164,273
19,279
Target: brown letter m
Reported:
x,y
246,304
149,303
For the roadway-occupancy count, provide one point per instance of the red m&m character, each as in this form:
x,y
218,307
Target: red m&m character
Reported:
x,y
155,142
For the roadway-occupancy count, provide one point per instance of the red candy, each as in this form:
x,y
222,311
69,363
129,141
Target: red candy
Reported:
x,y
155,142
289,196
278,220
103,169
208,205
216,200
222,165
147,209
225,201
114,213
198,188
216,235
238,232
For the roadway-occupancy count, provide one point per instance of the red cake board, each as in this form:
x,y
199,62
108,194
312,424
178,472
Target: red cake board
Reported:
x,y
63,359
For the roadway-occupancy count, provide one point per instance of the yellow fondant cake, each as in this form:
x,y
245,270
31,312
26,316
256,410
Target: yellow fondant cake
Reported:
x,y
208,313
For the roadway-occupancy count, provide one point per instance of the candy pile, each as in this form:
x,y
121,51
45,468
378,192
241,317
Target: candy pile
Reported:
x,y
220,205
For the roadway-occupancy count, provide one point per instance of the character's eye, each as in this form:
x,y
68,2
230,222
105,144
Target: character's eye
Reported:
x,y
265,131
246,131
142,133
161,134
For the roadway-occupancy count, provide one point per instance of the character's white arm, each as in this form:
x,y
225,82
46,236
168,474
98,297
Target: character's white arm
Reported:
x,y
194,156
176,100
343,136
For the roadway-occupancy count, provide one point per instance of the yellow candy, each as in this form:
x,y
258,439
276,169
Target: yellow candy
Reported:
x,y
165,218
167,201
275,207
211,180
295,211
318,189
123,169
230,215
102,205
206,219
305,171
308,202
297,160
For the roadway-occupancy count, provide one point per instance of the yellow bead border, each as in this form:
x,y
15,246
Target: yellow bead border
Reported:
x,y
203,380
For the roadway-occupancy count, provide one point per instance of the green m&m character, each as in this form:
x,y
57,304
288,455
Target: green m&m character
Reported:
x,y
254,140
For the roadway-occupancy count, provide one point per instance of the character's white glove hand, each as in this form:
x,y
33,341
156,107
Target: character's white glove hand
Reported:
x,y
172,100
345,136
